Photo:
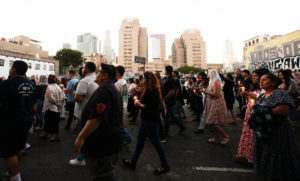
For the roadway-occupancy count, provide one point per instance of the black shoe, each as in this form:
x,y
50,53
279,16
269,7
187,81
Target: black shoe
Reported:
x,y
199,131
164,170
129,115
183,117
129,164
196,120
182,130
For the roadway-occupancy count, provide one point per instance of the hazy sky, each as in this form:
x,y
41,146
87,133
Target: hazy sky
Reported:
x,y
55,22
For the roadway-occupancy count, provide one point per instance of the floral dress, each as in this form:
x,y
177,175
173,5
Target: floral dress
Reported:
x,y
245,148
215,109
274,151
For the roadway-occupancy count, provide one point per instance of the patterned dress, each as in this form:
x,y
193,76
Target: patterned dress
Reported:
x,y
245,148
215,109
276,157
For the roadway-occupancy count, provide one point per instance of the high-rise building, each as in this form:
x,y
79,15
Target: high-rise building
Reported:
x,y
158,46
194,50
133,41
67,46
177,54
107,49
228,57
87,43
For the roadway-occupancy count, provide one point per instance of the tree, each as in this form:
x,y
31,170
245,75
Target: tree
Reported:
x,y
67,58
187,69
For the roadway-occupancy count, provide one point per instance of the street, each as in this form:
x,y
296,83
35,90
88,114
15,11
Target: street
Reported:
x,y
190,157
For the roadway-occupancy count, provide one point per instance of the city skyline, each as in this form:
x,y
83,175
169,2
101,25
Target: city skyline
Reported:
x,y
216,20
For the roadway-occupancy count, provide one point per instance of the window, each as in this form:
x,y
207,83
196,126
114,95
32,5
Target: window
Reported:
x,y
11,63
1,48
29,65
51,68
44,67
1,62
37,66
14,50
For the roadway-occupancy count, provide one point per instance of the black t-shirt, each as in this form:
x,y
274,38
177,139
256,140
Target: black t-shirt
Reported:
x,y
178,86
105,105
17,97
247,83
151,100
170,84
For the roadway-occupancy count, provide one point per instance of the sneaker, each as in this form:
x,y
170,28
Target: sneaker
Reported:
x,y
27,146
78,163
163,141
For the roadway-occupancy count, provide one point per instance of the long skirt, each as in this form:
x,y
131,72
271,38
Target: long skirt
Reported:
x,y
51,122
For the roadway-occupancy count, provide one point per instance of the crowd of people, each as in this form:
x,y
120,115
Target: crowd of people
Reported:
x,y
268,105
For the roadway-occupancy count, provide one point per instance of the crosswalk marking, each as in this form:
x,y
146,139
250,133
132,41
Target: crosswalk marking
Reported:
x,y
217,169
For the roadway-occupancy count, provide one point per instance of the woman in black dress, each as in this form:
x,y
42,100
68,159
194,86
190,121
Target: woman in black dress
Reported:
x,y
229,94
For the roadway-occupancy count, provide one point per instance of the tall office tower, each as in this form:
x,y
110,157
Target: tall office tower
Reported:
x,y
107,49
158,47
87,44
177,56
133,41
67,46
194,49
228,56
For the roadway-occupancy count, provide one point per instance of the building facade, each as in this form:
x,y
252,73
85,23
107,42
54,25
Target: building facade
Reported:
x,y
158,46
214,66
67,46
97,59
133,41
28,50
194,50
87,44
273,52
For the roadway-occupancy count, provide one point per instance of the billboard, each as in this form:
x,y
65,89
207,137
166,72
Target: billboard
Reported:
x,y
279,53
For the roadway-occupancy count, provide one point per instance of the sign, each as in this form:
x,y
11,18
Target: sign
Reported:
x,y
279,53
138,59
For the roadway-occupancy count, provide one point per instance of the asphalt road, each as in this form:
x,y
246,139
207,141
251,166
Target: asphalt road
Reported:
x,y
190,157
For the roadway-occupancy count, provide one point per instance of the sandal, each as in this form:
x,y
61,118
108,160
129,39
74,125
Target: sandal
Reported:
x,y
225,141
161,170
129,164
212,140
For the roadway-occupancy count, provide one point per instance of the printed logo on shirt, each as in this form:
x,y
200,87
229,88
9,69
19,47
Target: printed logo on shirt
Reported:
x,y
25,89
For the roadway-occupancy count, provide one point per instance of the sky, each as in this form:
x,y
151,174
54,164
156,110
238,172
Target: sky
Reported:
x,y
55,22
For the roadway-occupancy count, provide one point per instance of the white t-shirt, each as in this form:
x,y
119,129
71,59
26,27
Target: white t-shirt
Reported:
x,y
121,85
53,96
86,87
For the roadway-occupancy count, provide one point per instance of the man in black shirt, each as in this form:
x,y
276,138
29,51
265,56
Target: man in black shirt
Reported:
x,y
102,134
18,97
171,101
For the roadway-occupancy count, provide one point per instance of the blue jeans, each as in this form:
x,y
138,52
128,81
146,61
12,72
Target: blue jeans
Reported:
x,y
149,129
202,121
40,113
128,137
173,115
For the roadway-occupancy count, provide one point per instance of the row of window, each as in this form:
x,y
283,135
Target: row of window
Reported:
x,y
37,66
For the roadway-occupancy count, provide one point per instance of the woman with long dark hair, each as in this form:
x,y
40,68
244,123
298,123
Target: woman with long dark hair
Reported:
x,y
150,100
274,152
